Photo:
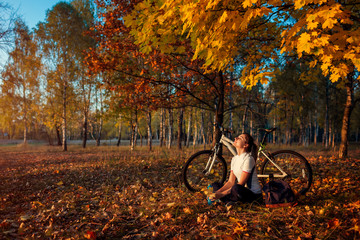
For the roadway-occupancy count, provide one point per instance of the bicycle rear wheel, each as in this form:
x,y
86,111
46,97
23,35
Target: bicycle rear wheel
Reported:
x,y
194,176
295,165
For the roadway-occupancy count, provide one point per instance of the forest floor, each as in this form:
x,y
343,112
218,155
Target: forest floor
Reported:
x,y
113,193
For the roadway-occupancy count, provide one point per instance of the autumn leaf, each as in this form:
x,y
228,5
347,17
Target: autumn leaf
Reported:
x,y
187,210
299,4
90,235
304,44
248,3
239,228
333,223
356,228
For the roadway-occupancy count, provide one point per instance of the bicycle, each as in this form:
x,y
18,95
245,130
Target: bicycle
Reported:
x,y
208,166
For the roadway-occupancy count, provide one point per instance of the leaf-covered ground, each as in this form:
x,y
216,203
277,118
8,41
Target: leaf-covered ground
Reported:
x,y
112,193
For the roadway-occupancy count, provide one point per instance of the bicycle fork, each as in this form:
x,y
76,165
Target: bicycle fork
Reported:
x,y
211,161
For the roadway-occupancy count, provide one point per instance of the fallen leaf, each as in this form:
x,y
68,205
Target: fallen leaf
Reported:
x,y
333,223
90,235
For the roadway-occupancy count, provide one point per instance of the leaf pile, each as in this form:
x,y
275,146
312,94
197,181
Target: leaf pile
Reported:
x,y
112,193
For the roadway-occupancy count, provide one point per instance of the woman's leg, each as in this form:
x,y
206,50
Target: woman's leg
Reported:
x,y
242,194
216,186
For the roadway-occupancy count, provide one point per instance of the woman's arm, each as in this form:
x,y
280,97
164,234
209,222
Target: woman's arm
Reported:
x,y
243,178
226,189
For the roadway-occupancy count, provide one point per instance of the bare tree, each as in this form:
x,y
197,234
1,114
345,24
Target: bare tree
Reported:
x,y
7,20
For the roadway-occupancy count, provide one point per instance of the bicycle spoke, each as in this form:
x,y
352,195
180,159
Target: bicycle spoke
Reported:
x,y
197,177
299,174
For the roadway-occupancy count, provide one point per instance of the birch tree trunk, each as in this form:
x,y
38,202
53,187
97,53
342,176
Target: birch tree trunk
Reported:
x,y
25,113
98,139
195,134
134,130
170,127
85,129
180,126
189,129
120,128
64,143
202,128
149,142
162,127
244,119
274,134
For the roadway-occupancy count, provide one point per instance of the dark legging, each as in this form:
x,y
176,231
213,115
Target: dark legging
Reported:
x,y
238,193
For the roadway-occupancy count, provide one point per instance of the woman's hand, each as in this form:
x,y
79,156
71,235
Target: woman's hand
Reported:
x,y
218,195
212,197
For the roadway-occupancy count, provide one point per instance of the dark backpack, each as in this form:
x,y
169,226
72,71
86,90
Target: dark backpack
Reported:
x,y
278,194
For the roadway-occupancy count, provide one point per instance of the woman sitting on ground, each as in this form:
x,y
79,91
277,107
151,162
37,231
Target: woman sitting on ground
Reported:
x,y
243,172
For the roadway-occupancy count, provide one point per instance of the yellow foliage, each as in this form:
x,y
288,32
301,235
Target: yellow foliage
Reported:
x,y
223,17
304,44
299,4
329,23
248,3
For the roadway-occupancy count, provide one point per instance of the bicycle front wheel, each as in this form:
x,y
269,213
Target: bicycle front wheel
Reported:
x,y
195,176
297,168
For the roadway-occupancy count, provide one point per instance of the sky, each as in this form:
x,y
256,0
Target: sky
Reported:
x,y
31,11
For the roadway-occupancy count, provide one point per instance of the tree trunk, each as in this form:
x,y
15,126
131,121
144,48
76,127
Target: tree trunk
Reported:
x,y
316,131
57,129
25,133
202,128
274,136
120,128
98,138
134,131
244,119
326,131
231,104
141,137
189,129
149,131
316,125
195,134
220,107
133,135
162,127
302,132
180,126
251,124
64,143
170,127
343,150
85,129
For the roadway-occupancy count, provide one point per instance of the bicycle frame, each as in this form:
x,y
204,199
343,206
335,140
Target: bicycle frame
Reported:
x,y
229,144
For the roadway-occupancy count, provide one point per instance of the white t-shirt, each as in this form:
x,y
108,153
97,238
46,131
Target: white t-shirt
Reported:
x,y
245,162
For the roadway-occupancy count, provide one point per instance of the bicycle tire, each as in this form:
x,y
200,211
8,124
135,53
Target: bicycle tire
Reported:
x,y
295,165
193,174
